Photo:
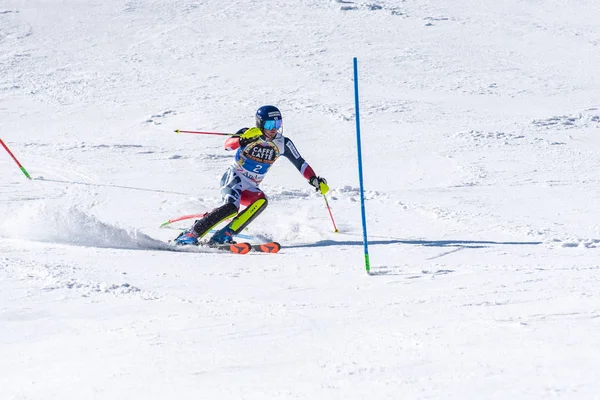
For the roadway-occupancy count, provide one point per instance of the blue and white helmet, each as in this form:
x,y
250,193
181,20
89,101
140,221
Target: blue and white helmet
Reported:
x,y
268,117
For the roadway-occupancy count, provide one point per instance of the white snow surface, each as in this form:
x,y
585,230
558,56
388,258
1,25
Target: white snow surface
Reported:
x,y
481,150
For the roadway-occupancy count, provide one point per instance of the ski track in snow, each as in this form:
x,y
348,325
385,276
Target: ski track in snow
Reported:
x,y
61,277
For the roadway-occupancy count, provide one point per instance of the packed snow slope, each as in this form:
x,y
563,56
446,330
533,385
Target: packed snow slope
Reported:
x,y
480,143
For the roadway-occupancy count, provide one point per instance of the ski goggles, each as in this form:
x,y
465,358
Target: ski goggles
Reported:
x,y
270,124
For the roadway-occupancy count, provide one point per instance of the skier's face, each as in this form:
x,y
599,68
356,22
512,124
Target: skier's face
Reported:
x,y
270,134
271,127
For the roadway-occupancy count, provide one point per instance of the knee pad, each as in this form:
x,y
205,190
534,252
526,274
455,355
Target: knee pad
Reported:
x,y
249,197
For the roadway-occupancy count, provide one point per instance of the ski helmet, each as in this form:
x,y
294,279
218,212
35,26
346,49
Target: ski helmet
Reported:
x,y
268,113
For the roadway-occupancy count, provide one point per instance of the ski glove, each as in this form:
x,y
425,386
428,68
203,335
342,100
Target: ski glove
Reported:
x,y
320,184
250,136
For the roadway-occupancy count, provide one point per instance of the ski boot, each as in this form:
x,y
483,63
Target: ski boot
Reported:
x,y
224,236
186,237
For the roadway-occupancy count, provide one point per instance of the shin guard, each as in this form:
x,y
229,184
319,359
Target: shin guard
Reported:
x,y
202,226
244,218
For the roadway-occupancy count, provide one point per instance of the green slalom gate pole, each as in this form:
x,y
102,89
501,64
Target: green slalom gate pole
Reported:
x,y
15,158
360,171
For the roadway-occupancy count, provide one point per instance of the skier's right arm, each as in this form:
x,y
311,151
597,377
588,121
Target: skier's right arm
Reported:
x,y
242,138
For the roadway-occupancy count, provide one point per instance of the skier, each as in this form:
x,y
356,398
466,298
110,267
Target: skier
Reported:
x,y
257,149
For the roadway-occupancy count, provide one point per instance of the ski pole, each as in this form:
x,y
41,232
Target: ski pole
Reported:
x,y
15,158
205,133
335,229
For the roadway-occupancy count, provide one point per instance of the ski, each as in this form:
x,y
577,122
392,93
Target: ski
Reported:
x,y
243,247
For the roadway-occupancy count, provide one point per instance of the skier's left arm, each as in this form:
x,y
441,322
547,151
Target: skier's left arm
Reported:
x,y
292,154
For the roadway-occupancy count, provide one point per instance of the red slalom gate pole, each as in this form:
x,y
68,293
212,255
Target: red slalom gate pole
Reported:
x,y
182,218
15,158
205,133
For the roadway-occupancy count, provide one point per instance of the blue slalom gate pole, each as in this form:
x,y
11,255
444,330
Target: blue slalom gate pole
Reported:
x,y
360,173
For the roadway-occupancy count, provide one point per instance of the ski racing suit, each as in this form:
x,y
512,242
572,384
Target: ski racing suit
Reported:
x,y
239,184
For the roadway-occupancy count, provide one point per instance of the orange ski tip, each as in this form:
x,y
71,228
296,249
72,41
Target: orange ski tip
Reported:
x,y
270,247
240,248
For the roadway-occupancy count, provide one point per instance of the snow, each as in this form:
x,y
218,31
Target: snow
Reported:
x,y
480,152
